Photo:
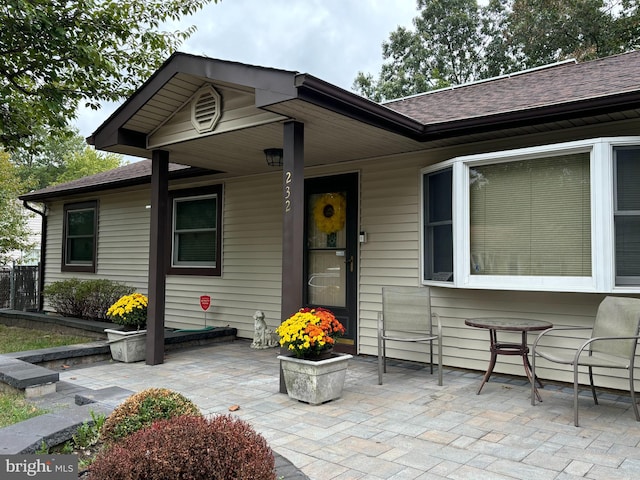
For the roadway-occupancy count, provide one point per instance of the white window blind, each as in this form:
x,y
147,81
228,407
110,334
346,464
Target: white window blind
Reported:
x,y
531,217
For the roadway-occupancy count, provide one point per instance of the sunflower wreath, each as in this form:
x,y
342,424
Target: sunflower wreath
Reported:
x,y
330,212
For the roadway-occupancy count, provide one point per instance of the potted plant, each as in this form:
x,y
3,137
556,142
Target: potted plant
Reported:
x,y
128,344
312,373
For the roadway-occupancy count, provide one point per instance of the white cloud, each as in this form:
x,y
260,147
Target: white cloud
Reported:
x,y
330,39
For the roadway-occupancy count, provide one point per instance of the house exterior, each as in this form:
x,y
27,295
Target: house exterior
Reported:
x,y
511,197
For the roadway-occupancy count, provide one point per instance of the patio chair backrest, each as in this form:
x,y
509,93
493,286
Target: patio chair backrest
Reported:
x,y
617,317
406,309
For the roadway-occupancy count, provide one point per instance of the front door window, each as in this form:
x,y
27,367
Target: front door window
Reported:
x,y
327,249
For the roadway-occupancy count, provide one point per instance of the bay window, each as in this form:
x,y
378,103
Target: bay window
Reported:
x,y
563,217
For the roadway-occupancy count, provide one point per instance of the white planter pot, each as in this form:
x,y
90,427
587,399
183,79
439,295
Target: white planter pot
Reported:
x,y
315,381
127,346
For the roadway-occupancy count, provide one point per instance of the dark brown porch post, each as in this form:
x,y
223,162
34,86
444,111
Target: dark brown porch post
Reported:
x,y
157,256
293,222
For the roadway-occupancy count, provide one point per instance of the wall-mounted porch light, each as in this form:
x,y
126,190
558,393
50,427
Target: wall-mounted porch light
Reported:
x,y
273,157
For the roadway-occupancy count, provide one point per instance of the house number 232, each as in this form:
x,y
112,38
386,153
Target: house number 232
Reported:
x,y
287,191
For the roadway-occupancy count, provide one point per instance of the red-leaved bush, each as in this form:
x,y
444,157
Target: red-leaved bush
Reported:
x,y
188,448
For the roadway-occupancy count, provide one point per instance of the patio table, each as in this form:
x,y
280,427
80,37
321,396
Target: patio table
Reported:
x,y
522,325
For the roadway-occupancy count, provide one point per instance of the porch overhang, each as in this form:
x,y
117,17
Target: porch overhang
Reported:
x,y
256,102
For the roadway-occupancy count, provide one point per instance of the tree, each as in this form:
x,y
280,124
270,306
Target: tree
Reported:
x,y
40,161
13,232
87,162
540,32
444,49
59,159
457,41
56,53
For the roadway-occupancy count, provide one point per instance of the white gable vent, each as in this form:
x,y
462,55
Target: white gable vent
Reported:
x,y
206,108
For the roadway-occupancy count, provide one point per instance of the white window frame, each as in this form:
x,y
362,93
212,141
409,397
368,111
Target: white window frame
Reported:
x,y
602,278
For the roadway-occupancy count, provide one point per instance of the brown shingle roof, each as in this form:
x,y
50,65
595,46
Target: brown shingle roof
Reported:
x,y
544,87
132,174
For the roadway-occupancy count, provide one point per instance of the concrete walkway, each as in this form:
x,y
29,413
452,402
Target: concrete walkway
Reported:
x,y
408,428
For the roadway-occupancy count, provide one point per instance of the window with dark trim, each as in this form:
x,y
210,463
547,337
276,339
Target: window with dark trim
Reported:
x,y
195,219
80,235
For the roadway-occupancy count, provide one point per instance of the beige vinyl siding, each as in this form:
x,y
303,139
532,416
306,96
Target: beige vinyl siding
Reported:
x,y
389,213
123,239
251,263
467,347
251,258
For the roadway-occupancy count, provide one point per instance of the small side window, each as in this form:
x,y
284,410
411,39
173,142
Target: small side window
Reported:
x,y
438,226
627,214
79,246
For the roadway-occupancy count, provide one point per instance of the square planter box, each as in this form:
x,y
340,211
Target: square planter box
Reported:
x,y
315,381
127,346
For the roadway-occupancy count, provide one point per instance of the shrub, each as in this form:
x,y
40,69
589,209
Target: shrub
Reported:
x,y
87,299
99,295
222,448
64,297
142,409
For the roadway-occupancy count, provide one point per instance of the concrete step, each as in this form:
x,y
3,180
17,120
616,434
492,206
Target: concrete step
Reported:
x,y
32,380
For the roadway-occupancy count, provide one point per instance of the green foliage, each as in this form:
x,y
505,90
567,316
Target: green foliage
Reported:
x,y
89,299
88,162
141,409
457,41
13,230
85,443
88,433
58,53
45,159
43,449
223,448
539,32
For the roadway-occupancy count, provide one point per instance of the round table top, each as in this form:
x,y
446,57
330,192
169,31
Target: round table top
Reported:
x,y
512,324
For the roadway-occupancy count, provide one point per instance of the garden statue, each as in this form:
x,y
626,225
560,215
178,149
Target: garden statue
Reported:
x,y
262,336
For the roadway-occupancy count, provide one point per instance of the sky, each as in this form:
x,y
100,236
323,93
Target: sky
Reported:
x,y
329,39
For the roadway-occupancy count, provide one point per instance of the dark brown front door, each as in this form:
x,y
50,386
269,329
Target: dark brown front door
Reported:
x,y
331,248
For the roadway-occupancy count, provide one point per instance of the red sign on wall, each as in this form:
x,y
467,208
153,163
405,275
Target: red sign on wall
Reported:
x,y
205,302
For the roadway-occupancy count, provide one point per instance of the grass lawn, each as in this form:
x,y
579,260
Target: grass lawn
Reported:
x,y
18,339
13,407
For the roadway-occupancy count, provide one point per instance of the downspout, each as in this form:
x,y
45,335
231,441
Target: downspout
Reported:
x,y
43,250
